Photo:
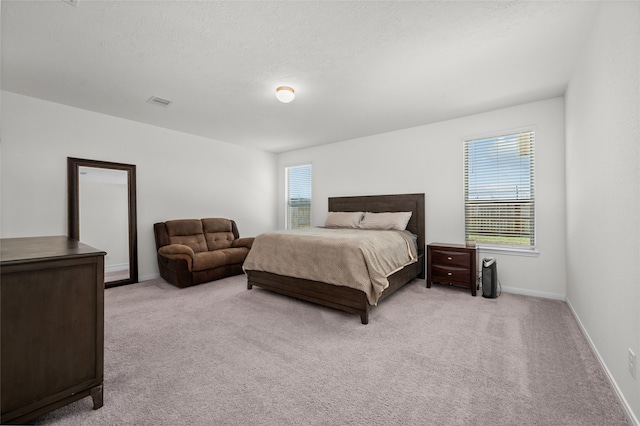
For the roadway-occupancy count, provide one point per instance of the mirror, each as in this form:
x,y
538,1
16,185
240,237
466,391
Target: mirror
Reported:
x,y
102,214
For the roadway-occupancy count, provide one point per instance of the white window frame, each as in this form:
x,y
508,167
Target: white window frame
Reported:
x,y
501,203
287,196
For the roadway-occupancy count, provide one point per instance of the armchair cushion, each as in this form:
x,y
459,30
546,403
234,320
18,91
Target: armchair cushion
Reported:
x,y
209,260
218,233
188,232
235,255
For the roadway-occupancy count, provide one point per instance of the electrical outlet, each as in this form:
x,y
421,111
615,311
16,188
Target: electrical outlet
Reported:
x,y
632,363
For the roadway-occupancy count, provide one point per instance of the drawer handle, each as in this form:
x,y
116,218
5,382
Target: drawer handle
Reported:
x,y
449,258
449,273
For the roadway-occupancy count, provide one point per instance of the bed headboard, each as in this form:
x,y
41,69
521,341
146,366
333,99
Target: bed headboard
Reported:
x,y
387,203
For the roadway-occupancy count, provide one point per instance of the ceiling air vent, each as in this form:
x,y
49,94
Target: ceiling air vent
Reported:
x,y
159,101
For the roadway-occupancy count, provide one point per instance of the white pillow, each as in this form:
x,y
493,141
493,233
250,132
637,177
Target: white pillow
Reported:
x,y
391,220
343,219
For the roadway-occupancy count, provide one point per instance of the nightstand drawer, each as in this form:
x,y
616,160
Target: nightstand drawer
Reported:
x,y
442,257
448,273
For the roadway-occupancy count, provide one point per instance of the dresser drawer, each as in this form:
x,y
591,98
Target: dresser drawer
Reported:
x,y
449,273
453,258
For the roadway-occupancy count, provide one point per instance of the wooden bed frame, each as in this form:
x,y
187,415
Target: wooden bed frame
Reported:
x,y
345,298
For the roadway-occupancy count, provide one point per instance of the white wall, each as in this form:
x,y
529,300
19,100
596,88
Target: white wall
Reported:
x,y
429,159
603,192
179,175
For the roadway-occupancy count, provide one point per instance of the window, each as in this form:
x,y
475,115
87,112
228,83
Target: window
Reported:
x,y
298,197
499,189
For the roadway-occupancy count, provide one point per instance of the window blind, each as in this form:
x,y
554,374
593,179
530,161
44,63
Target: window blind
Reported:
x,y
298,197
499,189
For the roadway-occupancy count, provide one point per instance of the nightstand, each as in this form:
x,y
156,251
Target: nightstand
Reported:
x,y
453,264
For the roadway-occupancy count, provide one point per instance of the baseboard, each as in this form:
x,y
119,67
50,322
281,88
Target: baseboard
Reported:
x,y
625,405
525,292
116,267
148,277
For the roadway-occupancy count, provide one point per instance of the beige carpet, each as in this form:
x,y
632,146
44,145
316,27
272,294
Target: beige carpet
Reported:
x,y
219,354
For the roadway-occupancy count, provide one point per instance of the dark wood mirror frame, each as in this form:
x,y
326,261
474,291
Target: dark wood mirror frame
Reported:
x,y
73,167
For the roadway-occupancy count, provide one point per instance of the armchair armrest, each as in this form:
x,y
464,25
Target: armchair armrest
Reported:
x,y
243,242
173,249
178,251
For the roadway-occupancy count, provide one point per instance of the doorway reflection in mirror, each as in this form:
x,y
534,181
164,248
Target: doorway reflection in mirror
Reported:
x,y
104,214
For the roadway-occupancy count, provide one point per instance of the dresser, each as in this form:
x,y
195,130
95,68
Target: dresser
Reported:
x,y
453,264
52,325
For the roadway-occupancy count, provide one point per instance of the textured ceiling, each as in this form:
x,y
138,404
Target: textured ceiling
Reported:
x,y
358,68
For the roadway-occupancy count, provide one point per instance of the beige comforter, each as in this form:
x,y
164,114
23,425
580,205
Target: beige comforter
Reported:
x,y
357,258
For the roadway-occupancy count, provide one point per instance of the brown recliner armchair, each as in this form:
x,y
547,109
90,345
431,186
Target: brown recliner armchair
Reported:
x,y
194,251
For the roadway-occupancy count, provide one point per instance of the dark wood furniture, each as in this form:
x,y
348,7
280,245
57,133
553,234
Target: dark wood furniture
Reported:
x,y
345,298
453,264
52,325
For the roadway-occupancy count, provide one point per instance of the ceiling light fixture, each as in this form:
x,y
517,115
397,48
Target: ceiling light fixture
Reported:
x,y
285,94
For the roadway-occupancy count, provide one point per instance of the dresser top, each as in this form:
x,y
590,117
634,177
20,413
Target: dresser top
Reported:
x,y
30,249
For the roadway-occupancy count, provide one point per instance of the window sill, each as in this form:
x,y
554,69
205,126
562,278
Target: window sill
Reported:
x,y
512,251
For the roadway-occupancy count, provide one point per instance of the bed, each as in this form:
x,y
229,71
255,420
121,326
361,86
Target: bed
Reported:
x,y
342,297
